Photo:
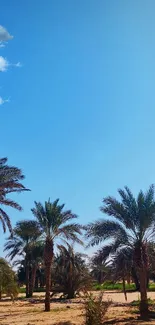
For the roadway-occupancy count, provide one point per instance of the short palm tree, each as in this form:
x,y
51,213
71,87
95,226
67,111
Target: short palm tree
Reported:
x,y
131,224
55,223
71,272
25,235
10,182
99,266
121,266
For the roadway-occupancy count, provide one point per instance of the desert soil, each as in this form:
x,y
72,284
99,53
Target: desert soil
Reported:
x,y
31,312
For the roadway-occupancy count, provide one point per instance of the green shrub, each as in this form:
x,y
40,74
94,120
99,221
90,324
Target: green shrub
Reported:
x,y
95,309
8,283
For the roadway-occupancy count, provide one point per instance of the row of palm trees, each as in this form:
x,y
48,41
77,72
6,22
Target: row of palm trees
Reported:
x,y
129,228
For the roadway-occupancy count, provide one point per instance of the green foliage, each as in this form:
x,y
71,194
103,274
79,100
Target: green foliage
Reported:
x,y
95,309
8,284
114,286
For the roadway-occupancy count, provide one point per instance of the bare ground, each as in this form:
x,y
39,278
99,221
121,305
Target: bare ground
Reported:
x,y
31,312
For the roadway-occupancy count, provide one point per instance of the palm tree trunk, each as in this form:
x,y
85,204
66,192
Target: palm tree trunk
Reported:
x,y
135,278
48,287
36,282
32,282
141,260
124,289
27,280
48,257
128,278
143,294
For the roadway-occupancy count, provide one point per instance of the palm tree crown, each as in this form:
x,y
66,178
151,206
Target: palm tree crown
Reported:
x,y
24,236
132,222
53,219
10,178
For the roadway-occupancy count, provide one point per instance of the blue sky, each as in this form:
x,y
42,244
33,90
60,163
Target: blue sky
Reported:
x,y
80,120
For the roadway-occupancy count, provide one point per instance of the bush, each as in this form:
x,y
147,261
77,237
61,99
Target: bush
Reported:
x,y
8,283
95,309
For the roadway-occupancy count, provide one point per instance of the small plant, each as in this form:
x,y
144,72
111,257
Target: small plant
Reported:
x,y
95,309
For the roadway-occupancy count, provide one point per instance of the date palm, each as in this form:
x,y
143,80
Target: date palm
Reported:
x,y
99,266
71,272
55,224
25,235
10,182
131,224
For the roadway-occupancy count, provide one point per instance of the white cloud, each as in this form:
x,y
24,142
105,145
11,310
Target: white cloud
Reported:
x,y
2,101
4,34
2,44
18,65
3,64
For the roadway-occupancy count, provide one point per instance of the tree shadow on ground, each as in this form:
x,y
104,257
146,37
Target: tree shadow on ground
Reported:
x,y
64,323
131,320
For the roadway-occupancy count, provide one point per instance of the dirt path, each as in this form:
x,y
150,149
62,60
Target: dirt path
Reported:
x,y
31,312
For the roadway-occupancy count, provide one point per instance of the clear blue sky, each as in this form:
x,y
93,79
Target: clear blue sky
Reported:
x,y
81,116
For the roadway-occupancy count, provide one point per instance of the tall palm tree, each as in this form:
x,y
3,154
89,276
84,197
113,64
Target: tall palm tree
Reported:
x,y
25,235
10,182
131,224
53,221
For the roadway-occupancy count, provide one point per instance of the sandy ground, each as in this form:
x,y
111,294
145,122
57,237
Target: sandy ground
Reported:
x,y
24,312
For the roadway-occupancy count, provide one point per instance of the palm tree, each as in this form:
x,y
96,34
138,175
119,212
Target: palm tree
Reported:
x,y
10,178
121,266
71,272
25,235
131,224
53,221
99,266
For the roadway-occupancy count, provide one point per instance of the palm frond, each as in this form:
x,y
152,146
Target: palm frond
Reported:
x,y
104,229
10,178
114,208
71,232
5,220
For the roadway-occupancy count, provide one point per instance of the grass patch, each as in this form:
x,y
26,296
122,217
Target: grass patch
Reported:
x,y
152,287
23,290
119,286
135,303
114,286
55,310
